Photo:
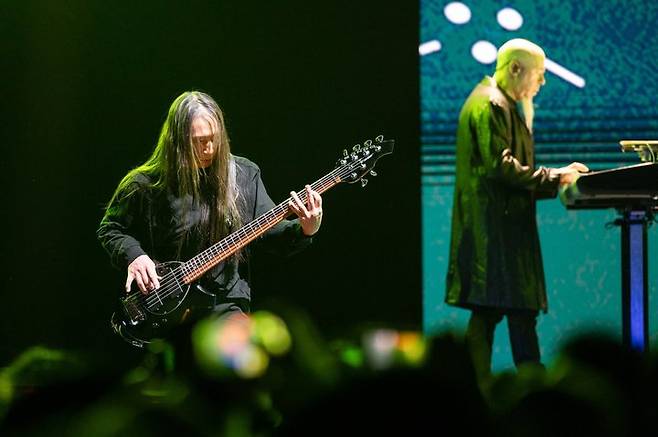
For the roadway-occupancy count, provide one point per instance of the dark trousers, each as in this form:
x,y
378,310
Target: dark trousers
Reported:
x,y
522,335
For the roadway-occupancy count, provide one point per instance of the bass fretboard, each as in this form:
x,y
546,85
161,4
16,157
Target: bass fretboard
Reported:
x,y
206,260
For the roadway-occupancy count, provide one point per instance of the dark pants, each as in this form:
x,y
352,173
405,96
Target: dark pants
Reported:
x,y
522,335
223,310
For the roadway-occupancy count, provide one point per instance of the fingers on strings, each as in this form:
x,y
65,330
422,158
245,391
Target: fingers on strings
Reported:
x,y
313,203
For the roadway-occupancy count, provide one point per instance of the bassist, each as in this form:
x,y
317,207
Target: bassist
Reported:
x,y
189,194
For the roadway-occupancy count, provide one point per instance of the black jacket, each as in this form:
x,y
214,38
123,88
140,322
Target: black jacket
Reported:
x,y
495,257
146,220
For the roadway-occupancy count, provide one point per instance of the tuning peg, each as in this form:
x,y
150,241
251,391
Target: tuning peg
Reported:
x,y
368,143
364,182
379,138
357,147
373,173
345,154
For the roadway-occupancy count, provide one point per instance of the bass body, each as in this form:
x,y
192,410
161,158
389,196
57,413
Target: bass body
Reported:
x,y
142,318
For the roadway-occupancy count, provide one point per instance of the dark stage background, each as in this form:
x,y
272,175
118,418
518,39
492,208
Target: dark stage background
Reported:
x,y
85,89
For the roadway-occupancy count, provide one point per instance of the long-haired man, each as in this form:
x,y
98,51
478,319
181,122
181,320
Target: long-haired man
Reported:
x,y
189,194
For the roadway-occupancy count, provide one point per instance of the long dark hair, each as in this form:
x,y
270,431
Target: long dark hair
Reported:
x,y
173,165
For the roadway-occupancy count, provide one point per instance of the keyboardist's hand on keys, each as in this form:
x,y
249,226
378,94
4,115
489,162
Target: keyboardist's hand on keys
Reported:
x,y
571,172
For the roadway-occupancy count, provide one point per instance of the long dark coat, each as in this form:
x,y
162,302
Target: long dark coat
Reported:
x,y
495,258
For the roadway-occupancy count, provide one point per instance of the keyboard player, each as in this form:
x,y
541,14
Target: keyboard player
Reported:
x,y
495,268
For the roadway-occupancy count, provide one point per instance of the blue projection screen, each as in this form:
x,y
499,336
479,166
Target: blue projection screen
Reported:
x,y
602,62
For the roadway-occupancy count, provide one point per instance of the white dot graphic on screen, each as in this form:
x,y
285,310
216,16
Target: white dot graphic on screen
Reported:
x,y
484,52
509,19
429,47
457,12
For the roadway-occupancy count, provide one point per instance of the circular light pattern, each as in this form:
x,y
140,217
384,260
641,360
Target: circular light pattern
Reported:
x,y
251,362
509,19
484,52
272,332
457,12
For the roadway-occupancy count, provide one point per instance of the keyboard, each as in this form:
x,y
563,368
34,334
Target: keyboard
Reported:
x,y
624,187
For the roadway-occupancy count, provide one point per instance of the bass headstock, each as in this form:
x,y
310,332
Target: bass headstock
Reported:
x,y
354,165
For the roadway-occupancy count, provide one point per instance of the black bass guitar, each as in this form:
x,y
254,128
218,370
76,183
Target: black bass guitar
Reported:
x,y
141,318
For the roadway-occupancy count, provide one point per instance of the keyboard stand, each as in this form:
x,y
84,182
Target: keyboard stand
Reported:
x,y
634,302
633,192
